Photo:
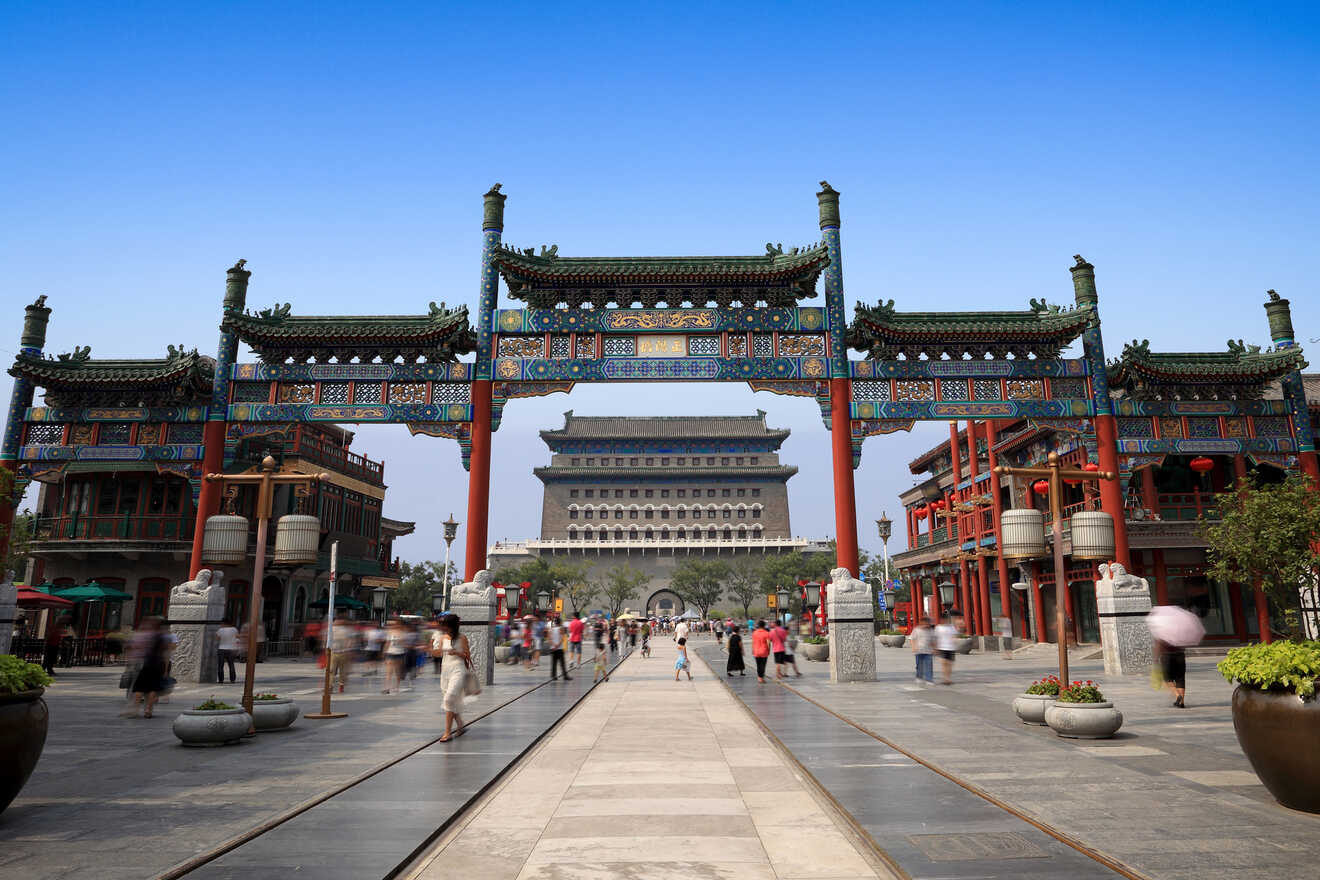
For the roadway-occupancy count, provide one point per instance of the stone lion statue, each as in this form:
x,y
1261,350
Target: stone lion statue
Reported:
x,y
478,591
844,586
205,581
1115,576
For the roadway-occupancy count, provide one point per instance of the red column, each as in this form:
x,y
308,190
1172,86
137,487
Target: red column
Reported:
x,y
915,586
1161,579
1150,498
966,600
1111,492
208,500
1263,616
845,502
474,557
978,532
954,452
1310,466
996,517
1041,632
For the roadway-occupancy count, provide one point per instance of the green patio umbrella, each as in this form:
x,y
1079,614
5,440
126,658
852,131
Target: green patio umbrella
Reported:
x,y
340,602
93,592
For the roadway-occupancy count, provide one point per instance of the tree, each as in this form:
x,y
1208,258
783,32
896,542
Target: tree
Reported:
x,y
744,580
1268,535
575,585
700,583
19,532
620,583
418,583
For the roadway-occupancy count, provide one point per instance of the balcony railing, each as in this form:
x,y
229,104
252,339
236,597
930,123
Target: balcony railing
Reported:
x,y
117,527
336,458
1187,505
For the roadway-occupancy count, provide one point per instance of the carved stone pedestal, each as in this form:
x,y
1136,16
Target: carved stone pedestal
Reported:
x,y
196,610
1122,602
8,611
474,603
852,628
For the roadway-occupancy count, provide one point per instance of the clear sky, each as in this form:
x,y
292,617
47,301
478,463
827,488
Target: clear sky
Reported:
x,y
342,149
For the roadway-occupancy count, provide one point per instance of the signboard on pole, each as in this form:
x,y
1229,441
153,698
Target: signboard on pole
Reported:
x,y
880,598
559,606
771,600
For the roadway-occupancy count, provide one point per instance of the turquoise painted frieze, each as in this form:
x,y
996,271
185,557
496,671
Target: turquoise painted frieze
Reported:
x,y
177,414
436,372
490,279
1207,446
768,320
834,306
509,369
1129,407
383,413
943,410
967,369
183,452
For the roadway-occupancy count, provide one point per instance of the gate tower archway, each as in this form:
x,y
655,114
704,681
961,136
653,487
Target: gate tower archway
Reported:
x,y
664,594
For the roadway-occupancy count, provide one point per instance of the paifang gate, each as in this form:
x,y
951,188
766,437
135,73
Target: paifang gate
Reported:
x,y
623,319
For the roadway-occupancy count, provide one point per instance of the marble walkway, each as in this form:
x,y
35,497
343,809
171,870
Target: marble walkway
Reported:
x,y
652,778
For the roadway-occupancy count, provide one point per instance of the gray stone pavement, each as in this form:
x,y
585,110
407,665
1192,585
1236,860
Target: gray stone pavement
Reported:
x,y
1171,796
122,797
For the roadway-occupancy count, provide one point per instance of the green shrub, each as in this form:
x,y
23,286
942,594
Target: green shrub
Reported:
x,y
1047,686
890,632
18,675
815,640
266,697
1278,666
212,705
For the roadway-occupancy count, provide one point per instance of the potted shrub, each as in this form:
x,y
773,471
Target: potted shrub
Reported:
x,y
23,720
891,638
1277,718
211,724
1030,706
1082,712
816,648
273,712
503,651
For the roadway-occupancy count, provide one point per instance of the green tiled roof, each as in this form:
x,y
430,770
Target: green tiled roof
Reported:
x,y
1241,364
79,370
882,330
443,330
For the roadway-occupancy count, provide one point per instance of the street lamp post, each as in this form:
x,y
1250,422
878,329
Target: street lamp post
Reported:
x,y
782,595
1054,473
885,526
451,532
265,480
811,599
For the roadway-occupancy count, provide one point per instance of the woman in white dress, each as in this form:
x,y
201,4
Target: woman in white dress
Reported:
x,y
455,646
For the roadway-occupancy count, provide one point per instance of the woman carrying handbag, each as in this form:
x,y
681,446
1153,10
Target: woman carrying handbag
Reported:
x,y
454,676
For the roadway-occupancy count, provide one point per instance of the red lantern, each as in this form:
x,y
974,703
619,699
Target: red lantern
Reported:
x,y
1201,464
922,513
1041,487
1091,467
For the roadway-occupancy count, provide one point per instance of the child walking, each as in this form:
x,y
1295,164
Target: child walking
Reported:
x,y
682,664
601,673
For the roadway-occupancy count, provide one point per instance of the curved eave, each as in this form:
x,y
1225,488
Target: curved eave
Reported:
x,y
525,270
382,328
952,326
1208,370
70,376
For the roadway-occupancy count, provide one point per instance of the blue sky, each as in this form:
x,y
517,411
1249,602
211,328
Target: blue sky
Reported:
x,y
342,150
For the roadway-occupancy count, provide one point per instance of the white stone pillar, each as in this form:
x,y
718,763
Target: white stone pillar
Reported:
x,y
196,610
852,628
8,611
1122,602
474,603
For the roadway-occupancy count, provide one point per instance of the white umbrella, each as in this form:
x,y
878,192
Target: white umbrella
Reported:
x,y
1175,626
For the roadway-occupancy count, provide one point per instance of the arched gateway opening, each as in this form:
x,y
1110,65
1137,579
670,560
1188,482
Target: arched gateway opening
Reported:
x,y
665,603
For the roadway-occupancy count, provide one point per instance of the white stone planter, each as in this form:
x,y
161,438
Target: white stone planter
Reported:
x,y
1030,708
211,727
274,714
818,653
503,653
1084,720
964,646
892,641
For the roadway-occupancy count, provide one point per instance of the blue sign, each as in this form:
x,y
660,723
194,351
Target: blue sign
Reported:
x,y
880,595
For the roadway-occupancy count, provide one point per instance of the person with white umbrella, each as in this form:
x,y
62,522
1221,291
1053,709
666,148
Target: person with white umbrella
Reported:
x,y
1174,629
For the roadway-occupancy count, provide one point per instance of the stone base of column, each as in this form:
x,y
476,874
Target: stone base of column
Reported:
x,y
1122,602
852,628
196,610
474,603
8,612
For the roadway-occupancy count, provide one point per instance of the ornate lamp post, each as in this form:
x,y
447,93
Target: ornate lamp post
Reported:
x,y
379,597
543,600
885,526
451,532
265,482
811,600
1053,475
782,595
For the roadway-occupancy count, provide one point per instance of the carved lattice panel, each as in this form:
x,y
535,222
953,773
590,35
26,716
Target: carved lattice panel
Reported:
x,y
1068,388
114,433
1171,429
1136,429
1202,428
1024,389
407,392
870,390
522,346
561,347
620,346
185,433
986,389
366,392
451,392
251,392
802,346
586,345
45,435
1235,427
1275,427
763,345
914,389
953,389
80,435
151,435
334,392
296,392
704,346
737,345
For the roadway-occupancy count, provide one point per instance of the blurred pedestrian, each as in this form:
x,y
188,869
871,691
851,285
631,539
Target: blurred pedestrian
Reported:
x,y
555,639
395,647
946,642
150,679
601,663
343,641
1173,666
226,648
760,649
56,629
923,643
778,647
458,660
735,663
790,651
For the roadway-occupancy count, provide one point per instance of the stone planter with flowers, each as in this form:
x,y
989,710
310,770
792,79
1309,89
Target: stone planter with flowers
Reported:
x,y
1030,706
273,712
211,724
1082,712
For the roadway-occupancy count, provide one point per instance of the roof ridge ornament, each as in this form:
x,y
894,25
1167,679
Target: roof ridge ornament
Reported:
x,y
77,356
1240,349
276,312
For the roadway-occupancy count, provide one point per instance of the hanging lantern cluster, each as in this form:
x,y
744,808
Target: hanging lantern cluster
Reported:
x,y
1041,487
922,512
1201,464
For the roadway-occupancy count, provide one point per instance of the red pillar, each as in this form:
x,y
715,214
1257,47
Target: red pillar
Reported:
x,y
1161,579
1150,498
1310,466
916,599
474,557
996,517
208,500
1263,616
966,601
1111,491
845,502
1041,633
